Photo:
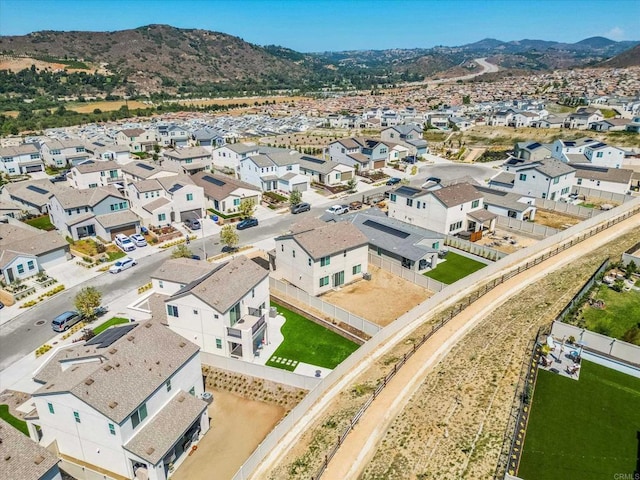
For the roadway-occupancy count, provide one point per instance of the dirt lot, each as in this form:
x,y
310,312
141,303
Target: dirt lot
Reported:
x,y
453,426
506,241
238,426
17,64
372,299
555,219
105,106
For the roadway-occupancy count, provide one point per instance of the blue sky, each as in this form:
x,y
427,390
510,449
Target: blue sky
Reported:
x,y
320,25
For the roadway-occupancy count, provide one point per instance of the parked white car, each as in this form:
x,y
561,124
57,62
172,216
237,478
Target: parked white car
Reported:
x,y
338,209
138,240
122,264
124,243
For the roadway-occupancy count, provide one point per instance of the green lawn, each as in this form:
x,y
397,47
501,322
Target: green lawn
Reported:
x,y
621,312
113,256
110,323
13,421
454,268
43,223
308,342
585,429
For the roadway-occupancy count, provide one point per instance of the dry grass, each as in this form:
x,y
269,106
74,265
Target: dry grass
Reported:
x,y
248,100
371,299
556,220
106,106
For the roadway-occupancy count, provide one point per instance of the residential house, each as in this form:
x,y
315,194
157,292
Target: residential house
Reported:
x,y
362,154
408,135
634,126
33,195
125,404
172,136
588,150
317,256
546,178
531,150
208,138
25,251
64,153
501,118
326,172
22,159
101,211
225,193
583,118
611,125
230,155
224,311
189,159
137,139
24,459
108,151
164,200
550,121
95,173
274,169
141,170
508,204
461,123
616,180
453,209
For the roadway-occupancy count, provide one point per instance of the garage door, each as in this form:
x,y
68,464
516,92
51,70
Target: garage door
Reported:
x,y
128,230
299,187
192,214
33,168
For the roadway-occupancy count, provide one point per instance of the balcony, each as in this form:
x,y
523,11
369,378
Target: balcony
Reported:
x,y
115,179
251,324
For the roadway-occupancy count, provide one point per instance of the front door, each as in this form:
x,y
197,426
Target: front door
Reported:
x,y
10,275
338,278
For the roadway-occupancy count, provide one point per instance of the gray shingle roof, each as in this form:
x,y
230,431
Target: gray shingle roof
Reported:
x,y
592,172
499,198
457,194
186,153
222,185
182,270
328,239
553,168
124,374
16,240
72,198
156,438
21,458
155,204
38,196
25,148
90,166
504,178
117,219
137,169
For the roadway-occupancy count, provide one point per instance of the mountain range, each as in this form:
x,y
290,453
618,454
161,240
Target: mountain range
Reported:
x,y
157,58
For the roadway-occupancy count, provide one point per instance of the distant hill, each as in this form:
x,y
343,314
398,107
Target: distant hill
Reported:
x,y
596,42
628,58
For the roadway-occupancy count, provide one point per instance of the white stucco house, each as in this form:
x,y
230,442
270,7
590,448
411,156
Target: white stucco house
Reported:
x,y
317,256
230,155
274,169
94,174
189,159
125,404
326,172
615,180
224,194
588,150
362,154
137,139
408,135
22,159
63,153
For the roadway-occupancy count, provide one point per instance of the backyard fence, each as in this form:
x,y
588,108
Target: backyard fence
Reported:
x,y
395,267
340,314
529,228
525,259
602,195
568,208
579,297
473,248
632,255
259,371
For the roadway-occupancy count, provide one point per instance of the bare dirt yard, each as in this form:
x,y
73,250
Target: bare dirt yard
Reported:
x,y
506,241
557,220
380,300
238,425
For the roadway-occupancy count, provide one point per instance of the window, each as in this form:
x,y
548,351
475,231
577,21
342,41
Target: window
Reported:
x,y
409,202
544,195
579,182
112,429
475,204
253,293
599,155
139,415
51,410
309,261
195,312
35,156
289,168
556,180
435,245
324,281
324,261
189,197
76,415
172,310
418,204
162,217
356,269
219,343
20,268
168,385
236,202
192,391
455,226
523,177
93,185
293,252
30,265
392,197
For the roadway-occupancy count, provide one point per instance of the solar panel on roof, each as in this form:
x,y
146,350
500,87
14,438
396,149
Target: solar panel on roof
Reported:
x,y
111,335
175,188
385,229
404,190
570,144
39,190
599,145
215,181
144,165
533,145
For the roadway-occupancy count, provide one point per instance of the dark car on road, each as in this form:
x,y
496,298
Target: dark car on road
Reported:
x,y
394,181
247,223
300,207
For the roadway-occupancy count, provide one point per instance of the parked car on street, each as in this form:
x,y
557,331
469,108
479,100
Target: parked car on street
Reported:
x,y
65,321
122,264
394,181
138,240
192,223
124,243
247,223
300,207
338,209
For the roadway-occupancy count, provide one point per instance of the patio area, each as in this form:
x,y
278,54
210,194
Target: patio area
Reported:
x,y
563,358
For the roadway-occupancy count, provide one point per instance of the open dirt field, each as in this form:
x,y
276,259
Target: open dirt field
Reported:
x,y
238,426
248,100
382,299
555,219
506,241
454,423
105,106
17,64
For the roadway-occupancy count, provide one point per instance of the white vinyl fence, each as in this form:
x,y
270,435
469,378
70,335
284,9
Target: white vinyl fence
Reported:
x,y
529,228
473,248
568,208
602,195
412,276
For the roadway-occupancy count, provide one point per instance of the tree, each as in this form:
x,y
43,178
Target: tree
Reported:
x,y
352,184
229,236
247,207
631,269
181,251
295,197
87,300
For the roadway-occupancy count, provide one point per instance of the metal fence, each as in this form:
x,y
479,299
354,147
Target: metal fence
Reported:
x,y
412,276
333,311
382,342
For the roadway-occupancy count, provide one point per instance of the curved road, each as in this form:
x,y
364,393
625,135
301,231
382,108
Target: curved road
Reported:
x,y
482,62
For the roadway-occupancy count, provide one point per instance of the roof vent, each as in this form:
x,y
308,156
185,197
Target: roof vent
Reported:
x,y
7,457
182,344
181,398
150,450
130,338
113,404
88,381
147,325
113,350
